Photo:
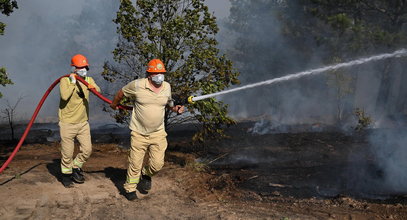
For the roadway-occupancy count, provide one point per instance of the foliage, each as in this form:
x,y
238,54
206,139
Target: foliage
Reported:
x,y
4,78
6,8
182,34
364,121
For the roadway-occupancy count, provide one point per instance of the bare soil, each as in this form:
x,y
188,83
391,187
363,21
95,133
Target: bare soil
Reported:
x,y
272,176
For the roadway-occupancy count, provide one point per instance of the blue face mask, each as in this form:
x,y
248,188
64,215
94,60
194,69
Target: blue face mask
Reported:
x,y
158,79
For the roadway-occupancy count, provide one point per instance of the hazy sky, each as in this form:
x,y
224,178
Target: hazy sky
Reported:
x,y
42,35
219,7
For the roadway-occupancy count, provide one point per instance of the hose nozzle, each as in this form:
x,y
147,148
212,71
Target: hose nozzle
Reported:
x,y
190,101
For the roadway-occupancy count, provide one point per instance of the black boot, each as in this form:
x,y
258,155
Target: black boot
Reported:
x,y
77,175
145,183
130,196
67,180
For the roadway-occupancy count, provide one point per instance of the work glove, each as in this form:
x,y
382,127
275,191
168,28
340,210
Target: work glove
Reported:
x,y
90,86
72,78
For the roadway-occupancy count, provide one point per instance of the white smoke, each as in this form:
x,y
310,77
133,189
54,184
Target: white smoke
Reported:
x,y
39,40
389,148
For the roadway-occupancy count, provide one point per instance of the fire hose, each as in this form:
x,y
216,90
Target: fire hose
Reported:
x,y
93,90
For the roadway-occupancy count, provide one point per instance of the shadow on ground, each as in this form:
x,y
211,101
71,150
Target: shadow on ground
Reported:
x,y
54,168
117,176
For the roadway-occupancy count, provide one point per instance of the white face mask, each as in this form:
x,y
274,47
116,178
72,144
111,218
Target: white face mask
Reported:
x,y
82,72
158,79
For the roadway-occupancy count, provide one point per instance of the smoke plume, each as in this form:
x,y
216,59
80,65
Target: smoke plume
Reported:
x,y
41,37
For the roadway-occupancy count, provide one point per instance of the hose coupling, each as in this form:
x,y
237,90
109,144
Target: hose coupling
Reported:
x,y
190,101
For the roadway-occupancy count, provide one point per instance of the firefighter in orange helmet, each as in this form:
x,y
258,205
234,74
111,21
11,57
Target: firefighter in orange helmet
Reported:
x,y
73,121
152,95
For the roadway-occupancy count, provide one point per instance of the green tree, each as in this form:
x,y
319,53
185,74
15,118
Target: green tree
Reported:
x,y
182,34
6,8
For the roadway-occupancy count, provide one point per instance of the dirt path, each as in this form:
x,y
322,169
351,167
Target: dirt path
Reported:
x,y
98,198
31,190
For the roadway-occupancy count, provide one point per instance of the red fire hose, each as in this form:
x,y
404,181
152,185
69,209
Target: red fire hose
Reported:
x,y
93,90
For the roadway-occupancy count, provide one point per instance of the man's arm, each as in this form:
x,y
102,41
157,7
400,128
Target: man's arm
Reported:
x,y
66,88
117,99
174,103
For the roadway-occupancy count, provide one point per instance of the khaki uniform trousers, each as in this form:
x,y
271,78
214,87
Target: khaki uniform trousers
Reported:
x,y
68,132
156,144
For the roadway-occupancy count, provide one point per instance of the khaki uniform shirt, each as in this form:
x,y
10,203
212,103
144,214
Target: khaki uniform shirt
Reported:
x,y
74,102
149,107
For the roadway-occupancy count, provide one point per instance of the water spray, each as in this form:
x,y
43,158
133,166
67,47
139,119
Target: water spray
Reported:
x,y
398,53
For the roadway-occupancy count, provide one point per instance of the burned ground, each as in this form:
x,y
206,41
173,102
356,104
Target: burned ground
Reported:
x,y
303,175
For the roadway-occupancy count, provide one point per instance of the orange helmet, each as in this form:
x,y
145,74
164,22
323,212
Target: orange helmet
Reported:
x,y
156,66
79,60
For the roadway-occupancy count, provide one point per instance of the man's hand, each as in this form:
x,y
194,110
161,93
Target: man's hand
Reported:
x,y
179,109
72,78
114,107
116,100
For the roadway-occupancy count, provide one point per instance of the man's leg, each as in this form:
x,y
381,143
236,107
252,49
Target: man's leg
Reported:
x,y
67,132
137,151
158,145
85,150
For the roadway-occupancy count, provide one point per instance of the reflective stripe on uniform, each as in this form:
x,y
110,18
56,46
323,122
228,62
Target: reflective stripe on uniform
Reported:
x,y
77,163
132,180
66,170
